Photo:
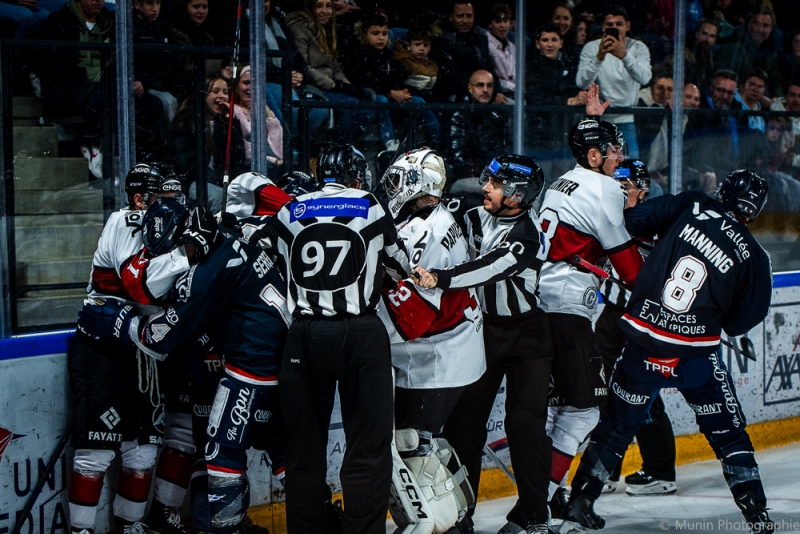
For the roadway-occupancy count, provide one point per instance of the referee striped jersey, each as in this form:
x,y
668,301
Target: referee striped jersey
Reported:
x,y
507,254
337,244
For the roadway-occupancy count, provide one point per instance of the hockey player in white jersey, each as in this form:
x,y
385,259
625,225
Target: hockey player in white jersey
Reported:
x,y
117,405
437,348
581,216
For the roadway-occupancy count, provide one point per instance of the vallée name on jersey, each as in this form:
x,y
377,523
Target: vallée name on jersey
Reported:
x,y
705,274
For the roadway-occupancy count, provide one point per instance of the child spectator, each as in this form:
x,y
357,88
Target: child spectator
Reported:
x,y
501,50
421,71
373,69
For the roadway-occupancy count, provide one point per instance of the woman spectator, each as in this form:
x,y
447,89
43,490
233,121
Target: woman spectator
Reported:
x,y
241,112
563,17
314,31
183,144
191,27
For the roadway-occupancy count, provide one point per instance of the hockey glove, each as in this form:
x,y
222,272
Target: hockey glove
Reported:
x,y
202,233
106,320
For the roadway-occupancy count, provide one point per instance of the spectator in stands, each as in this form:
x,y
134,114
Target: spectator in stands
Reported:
x,y
790,58
620,65
314,32
182,142
278,37
155,70
562,16
751,45
373,69
27,15
657,95
459,52
241,112
71,78
420,70
779,143
476,133
501,49
699,54
658,160
712,141
191,26
727,14
582,29
791,102
550,82
751,96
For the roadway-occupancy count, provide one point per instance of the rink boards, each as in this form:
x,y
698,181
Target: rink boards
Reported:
x,y
34,408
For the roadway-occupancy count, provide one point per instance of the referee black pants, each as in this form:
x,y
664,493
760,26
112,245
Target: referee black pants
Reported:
x,y
519,348
319,353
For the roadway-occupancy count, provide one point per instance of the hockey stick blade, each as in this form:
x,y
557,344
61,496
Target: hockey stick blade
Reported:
x,y
503,467
748,349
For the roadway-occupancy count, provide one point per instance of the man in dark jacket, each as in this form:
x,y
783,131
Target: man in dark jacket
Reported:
x,y
476,133
459,52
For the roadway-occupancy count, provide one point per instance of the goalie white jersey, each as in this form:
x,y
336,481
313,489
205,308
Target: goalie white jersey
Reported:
x,y
436,336
581,215
123,268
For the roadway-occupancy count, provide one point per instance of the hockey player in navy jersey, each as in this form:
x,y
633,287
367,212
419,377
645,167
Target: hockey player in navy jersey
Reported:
x,y
437,348
110,413
507,248
706,274
234,294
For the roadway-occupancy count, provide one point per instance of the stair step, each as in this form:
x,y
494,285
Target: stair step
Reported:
x,y
56,237
32,174
35,141
28,107
62,201
54,271
45,308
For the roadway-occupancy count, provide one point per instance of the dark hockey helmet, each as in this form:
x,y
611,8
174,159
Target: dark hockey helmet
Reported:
x,y
163,225
635,171
590,133
521,176
297,183
151,178
744,193
343,164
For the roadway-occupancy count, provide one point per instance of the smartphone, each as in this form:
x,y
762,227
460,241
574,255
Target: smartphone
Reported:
x,y
613,32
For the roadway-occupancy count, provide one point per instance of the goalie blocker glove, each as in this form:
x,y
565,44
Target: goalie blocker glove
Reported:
x,y
106,320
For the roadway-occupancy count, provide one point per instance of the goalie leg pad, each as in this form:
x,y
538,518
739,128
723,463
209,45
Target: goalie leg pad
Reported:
x,y
426,496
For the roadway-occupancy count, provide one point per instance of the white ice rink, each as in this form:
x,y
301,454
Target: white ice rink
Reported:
x,y
702,503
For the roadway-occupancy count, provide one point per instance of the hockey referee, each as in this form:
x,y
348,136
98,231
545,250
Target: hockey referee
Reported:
x,y
336,244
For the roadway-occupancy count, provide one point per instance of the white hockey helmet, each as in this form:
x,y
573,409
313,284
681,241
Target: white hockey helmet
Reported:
x,y
412,175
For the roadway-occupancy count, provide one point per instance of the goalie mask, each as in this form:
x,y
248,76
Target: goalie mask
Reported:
x,y
413,175
744,193
163,225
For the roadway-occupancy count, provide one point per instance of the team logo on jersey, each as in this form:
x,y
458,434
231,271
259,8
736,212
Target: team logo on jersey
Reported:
x,y
159,331
665,366
704,215
110,418
590,298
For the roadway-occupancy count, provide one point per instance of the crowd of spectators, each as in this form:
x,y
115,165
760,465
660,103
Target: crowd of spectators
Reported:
x,y
740,56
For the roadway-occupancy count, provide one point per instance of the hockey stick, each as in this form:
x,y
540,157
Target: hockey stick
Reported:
x,y
503,467
747,348
23,515
235,74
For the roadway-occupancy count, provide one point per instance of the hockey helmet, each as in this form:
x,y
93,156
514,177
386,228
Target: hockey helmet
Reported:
x,y
297,183
151,178
590,133
412,175
744,193
634,171
343,164
163,225
521,176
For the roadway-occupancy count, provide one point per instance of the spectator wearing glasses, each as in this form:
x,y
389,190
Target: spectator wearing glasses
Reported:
x,y
476,133
713,141
751,45
621,66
